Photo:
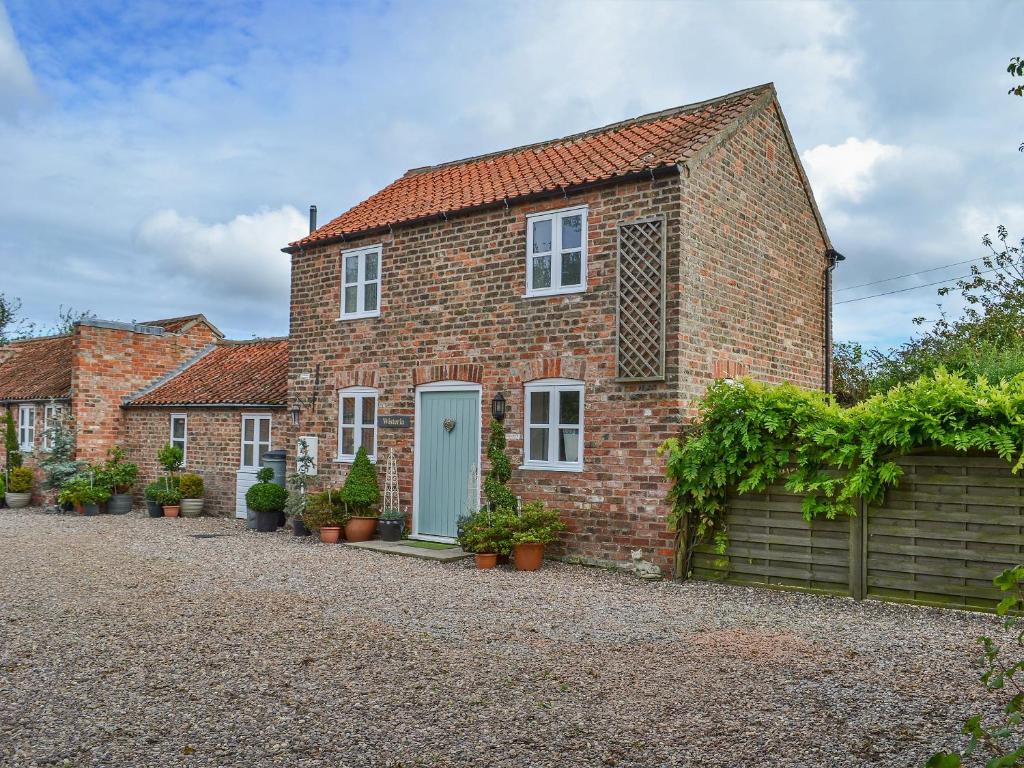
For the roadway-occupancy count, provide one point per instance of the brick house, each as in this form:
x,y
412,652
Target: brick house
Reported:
x,y
598,282
225,408
86,373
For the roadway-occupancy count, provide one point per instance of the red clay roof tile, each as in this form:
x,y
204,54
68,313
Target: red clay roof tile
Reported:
x,y
37,369
648,142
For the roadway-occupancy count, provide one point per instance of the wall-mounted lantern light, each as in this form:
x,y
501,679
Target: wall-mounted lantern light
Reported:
x,y
295,411
498,407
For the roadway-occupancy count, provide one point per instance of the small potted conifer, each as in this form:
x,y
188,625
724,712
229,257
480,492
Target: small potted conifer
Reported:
x,y
192,490
362,495
19,487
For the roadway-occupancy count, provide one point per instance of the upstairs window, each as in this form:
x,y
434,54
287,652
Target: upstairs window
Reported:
x,y
357,423
53,414
554,425
360,283
179,434
26,428
556,252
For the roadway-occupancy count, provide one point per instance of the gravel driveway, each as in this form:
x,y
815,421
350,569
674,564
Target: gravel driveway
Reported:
x,y
129,641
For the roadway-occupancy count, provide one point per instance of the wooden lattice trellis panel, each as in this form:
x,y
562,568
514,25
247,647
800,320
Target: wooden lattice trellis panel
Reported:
x,y
640,309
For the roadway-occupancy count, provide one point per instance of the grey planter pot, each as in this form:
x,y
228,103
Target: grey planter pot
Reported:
x,y
92,509
154,509
119,504
250,518
18,500
191,507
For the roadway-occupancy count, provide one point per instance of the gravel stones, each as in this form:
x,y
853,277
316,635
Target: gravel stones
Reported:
x,y
129,641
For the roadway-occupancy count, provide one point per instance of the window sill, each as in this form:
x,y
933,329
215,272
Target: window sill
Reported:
x,y
552,467
359,316
558,292
351,459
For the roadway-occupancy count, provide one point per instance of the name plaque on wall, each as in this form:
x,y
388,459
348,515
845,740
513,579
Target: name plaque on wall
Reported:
x,y
394,422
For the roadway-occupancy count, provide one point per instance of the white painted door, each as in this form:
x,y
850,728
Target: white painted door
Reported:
x,y
255,443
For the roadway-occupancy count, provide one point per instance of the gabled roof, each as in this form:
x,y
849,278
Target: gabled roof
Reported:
x,y
36,369
183,324
644,144
228,373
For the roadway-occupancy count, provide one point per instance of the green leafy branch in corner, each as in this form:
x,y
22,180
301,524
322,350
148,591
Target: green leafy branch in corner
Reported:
x,y
751,436
1003,742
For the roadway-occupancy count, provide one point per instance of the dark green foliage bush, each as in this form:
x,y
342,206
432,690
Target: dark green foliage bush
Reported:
x,y
325,509
118,475
21,480
536,524
488,531
11,442
171,458
496,488
266,497
361,492
168,497
750,436
191,486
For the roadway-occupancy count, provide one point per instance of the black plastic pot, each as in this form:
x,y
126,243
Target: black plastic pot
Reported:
x,y
120,504
282,518
154,509
92,509
390,530
266,522
299,527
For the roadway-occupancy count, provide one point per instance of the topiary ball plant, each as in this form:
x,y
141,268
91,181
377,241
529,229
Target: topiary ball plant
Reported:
x,y
22,480
361,492
191,486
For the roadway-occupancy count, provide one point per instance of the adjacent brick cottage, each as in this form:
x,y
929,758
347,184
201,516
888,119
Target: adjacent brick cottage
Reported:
x,y
597,282
224,408
87,372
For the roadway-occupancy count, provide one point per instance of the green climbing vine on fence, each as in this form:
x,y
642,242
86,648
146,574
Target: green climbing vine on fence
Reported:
x,y
750,436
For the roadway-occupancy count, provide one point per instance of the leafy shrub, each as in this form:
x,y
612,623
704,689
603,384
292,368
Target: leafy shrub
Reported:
x,y
168,497
22,480
264,475
325,509
119,475
536,524
191,486
3,486
171,458
496,490
361,492
266,497
488,532
750,436
75,491
158,486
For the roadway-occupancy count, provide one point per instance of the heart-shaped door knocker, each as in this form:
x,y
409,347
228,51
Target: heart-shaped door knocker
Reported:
x,y
448,424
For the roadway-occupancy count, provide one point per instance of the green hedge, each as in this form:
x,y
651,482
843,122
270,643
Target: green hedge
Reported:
x,y
750,436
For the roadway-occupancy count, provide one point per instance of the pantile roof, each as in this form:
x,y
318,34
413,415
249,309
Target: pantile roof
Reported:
x,y
36,369
181,324
232,373
646,143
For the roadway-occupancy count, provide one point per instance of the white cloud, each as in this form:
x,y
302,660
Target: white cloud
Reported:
x,y
17,86
847,171
976,222
240,256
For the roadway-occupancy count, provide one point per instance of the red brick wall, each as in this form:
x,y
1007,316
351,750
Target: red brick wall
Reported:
x,y
38,453
110,363
214,447
742,251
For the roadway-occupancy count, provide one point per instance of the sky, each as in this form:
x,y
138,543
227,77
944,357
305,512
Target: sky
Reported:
x,y
155,157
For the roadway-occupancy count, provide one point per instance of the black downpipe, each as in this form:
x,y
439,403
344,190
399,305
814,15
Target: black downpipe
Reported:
x,y
834,257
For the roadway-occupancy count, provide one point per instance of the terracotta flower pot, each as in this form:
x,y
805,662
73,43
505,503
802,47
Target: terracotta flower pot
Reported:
x,y
528,557
79,508
330,534
484,560
360,528
171,511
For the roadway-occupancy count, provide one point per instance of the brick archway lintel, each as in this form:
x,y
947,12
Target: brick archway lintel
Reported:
x,y
555,368
427,374
356,377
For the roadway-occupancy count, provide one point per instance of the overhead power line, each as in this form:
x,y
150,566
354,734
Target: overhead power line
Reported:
x,y
909,274
913,287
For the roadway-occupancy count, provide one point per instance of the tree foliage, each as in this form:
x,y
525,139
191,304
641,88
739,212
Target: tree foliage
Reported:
x,y
496,489
750,436
361,491
11,442
59,464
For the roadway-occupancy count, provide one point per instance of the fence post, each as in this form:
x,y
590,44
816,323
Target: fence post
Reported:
x,y
857,524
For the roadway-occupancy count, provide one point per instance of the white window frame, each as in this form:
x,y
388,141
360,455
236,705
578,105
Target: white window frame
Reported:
x,y
358,394
51,415
184,441
555,217
553,424
255,442
361,282
26,428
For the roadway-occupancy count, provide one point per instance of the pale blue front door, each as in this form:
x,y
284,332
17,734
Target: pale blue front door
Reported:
x,y
448,449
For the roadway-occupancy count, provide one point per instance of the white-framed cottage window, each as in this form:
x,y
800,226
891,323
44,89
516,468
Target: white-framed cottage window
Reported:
x,y
179,434
52,414
360,282
26,427
556,252
255,439
357,423
554,425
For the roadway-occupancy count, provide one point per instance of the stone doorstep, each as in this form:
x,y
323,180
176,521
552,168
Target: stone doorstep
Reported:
x,y
401,548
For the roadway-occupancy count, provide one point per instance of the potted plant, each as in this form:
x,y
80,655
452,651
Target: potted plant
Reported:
x,y
192,489
170,500
59,464
298,486
533,529
76,492
361,494
153,495
487,535
19,487
391,524
118,477
327,514
94,497
267,500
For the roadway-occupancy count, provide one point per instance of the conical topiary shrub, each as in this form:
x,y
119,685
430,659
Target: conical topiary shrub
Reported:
x,y
498,494
361,492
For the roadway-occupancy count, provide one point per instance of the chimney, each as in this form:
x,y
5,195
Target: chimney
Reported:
x,y
312,219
